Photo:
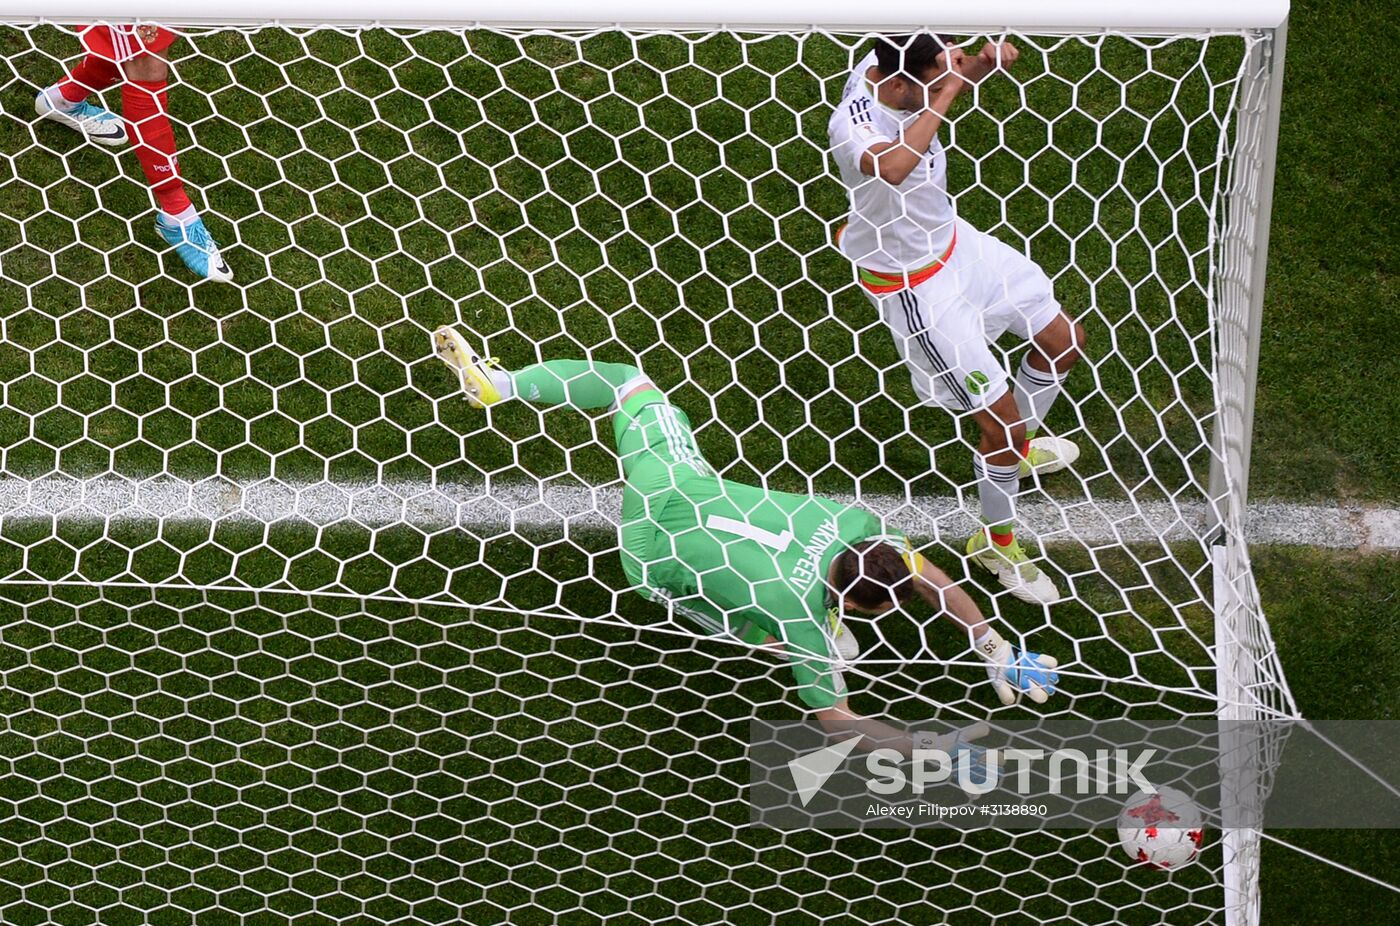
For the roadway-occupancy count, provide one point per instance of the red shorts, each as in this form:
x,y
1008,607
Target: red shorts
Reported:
x,y
122,43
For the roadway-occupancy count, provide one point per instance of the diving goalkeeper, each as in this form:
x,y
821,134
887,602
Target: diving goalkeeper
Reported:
x,y
768,568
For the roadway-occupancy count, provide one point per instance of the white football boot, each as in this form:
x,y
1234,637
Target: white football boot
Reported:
x,y
196,248
1013,568
92,122
1049,455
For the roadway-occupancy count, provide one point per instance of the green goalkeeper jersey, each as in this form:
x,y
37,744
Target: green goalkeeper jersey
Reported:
x,y
757,559
734,558
753,548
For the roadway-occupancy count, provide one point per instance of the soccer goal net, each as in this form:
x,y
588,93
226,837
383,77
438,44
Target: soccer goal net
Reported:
x,y
292,633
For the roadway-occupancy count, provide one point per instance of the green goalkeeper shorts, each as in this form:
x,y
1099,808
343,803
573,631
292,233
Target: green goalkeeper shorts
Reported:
x,y
659,459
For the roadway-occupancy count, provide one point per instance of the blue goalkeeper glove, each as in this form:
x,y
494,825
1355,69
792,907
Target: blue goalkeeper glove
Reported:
x,y
1014,671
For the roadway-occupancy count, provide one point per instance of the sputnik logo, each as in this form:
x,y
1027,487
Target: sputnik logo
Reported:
x,y
811,771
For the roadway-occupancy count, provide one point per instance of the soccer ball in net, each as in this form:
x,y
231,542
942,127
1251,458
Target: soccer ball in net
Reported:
x,y
1164,830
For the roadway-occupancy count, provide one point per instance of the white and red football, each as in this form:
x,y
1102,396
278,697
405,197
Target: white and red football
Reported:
x,y
1164,830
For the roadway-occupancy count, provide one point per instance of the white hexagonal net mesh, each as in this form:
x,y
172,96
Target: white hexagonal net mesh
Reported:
x,y
292,633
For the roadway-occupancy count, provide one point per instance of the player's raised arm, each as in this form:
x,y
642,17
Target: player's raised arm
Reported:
x,y
1011,669
926,79
894,161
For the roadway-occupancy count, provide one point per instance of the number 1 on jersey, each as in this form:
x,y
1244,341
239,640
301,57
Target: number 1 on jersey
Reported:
x,y
778,542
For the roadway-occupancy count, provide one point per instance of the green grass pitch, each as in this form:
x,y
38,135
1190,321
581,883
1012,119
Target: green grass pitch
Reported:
x,y
231,757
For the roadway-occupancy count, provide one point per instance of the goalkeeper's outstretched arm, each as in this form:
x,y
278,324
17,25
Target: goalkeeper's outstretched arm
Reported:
x,y
1012,670
946,598
876,575
840,721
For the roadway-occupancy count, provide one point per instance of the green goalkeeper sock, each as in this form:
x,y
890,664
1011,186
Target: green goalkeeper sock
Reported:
x,y
582,384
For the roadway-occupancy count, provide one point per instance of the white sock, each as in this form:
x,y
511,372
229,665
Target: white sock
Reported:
x,y
184,218
1036,391
59,101
502,381
997,487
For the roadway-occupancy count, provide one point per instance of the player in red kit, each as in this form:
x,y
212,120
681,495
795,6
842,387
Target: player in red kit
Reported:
x,y
136,56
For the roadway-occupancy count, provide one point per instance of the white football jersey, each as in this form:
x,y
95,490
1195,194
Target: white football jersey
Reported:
x,y
891,228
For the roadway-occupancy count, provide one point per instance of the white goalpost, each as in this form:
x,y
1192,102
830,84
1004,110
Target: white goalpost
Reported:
x,y
291,633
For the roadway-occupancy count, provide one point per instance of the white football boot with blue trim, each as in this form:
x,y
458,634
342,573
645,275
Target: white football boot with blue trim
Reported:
x,y
196,247
92,122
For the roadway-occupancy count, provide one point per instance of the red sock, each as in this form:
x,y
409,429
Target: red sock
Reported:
x,y
143,107
92,75
1002,537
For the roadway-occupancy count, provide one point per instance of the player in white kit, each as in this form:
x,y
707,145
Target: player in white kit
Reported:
x,y
947,290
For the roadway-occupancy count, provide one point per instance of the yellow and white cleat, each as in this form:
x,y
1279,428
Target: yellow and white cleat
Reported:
x,y
473,369
846,644
1048,455
1013,569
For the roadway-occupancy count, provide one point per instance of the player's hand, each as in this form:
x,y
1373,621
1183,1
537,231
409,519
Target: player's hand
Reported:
x,y
952,82
1014,671
958,743
995,55
955,741
1029,672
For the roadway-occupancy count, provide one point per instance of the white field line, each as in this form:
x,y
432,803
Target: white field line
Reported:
x,y
496,509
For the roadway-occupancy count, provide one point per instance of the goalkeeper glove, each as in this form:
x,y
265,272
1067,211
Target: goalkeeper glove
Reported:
x,y
955,745
956,742
1014,670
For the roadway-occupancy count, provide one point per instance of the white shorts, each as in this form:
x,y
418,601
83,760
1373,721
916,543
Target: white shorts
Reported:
x,y
945,327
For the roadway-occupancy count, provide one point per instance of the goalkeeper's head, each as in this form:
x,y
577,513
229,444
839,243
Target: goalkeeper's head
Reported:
x,y
871,577
911,67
